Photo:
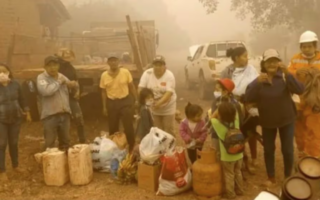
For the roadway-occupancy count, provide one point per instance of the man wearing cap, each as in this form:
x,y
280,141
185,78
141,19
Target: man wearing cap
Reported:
x,y
162,82
65,57
117,91
53,89
271,92
308,57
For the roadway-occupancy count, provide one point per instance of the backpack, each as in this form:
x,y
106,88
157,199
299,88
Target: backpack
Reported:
x,y
234,142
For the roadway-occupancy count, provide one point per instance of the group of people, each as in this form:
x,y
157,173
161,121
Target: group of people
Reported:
x,y
243,99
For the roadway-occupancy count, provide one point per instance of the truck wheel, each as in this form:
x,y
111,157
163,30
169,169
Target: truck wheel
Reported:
x,y
204,89
187,83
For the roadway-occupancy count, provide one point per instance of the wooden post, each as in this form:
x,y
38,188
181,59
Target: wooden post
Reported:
x,y
10,52
146,45
143,49
134,45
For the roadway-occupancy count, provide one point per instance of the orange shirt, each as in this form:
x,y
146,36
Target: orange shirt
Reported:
x,y
298,61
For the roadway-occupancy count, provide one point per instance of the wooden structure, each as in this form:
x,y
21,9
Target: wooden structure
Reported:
x,y
139,40
27,29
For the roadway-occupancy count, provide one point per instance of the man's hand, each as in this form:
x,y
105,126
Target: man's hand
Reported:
x,y
71,84
263,78
105,112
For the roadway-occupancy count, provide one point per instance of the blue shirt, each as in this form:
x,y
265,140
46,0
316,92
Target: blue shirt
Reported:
x,y
274,101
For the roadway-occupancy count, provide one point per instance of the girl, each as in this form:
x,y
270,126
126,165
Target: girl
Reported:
x,y
231,164
242,74
271,92
145,122
193,130
12,110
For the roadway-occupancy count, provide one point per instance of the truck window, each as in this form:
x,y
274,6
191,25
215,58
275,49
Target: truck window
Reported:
x,y
198,53
212,51
221,50
234,45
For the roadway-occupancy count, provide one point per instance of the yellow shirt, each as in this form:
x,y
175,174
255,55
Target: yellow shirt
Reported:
x,y
116,87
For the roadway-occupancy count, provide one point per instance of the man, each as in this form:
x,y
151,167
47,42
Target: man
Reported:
x,y
117,85
65,58
53,89
308,57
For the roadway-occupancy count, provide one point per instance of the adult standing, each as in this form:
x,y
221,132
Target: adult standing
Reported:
x,y
242,74
117,91
307,58
66,56
12,110
54,89
162,82
271,91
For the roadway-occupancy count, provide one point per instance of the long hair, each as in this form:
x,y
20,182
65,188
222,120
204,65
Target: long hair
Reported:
x,y
192,110
8,68
236,52
311,82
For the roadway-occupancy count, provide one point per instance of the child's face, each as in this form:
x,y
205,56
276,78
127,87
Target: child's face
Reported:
x,y
219,90
149,100
197,118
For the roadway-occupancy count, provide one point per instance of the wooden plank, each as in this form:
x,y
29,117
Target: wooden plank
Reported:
x,y
143,50
134,44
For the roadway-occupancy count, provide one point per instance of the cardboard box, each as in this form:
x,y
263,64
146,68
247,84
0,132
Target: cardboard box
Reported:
x,y
148,176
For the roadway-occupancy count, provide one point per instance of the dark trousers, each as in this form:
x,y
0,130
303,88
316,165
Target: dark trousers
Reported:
x,y
78,119
269,140
9,133
122,109
57,125
192,153
249,129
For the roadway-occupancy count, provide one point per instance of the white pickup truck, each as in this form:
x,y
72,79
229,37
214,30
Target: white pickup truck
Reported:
x,y
206,62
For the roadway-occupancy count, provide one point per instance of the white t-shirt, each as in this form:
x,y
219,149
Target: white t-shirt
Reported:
x,y
159,87
192,125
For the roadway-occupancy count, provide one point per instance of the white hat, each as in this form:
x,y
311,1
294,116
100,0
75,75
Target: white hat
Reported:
x,y
308,36
271,53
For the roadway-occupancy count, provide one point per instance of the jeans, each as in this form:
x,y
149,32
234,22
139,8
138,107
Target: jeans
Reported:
x,y
54,125
269,139
122,109
78,119
9,133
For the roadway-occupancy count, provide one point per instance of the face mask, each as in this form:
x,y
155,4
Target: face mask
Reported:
x,y
4,77
149,103
253,112
217,94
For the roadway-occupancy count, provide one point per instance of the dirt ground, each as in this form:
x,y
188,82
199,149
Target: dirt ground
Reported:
x,y
30,185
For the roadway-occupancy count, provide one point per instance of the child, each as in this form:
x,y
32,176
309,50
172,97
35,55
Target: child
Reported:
x,y
193,130
145,122
231,163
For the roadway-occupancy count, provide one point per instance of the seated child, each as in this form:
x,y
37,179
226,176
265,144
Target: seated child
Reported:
x,y
231,163
145,121
193,130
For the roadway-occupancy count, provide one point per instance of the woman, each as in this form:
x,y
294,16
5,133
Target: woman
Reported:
x,y
242,74
271,92
162,82
11,113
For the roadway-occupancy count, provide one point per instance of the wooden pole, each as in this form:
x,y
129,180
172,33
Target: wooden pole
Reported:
x,y
134,45
143,49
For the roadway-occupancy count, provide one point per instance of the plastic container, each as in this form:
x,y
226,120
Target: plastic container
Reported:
x,y
80,165
55,167
296,188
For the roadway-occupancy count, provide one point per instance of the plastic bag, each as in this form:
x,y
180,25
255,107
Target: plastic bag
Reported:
x,y
155,144
175,175
102,150
117,157
120,139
